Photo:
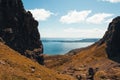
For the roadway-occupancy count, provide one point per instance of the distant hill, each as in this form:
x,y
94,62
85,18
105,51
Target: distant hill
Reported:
x,y
69,40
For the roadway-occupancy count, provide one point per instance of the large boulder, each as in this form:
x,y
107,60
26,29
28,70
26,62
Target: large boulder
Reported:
x,y
19,29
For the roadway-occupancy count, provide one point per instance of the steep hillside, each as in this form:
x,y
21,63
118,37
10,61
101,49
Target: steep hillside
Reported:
x,y
19,30
99,61
14,66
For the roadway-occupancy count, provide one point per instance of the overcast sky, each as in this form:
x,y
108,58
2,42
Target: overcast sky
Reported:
x,y
73,18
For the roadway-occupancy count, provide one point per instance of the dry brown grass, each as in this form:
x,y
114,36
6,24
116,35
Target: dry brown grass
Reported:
x,y
92,57
14,66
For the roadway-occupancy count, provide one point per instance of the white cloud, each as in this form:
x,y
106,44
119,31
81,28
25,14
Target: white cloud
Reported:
x,y
41,14
112,1
75,16
98,18
84,33
82,16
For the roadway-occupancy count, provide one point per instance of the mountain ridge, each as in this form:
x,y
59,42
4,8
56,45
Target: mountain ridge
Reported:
x,y
69,40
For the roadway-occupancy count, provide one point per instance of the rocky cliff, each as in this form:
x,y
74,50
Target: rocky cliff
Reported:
x,y
112,39
19,30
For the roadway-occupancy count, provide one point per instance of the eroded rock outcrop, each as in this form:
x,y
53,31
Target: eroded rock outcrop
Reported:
x,y
19,29
112,39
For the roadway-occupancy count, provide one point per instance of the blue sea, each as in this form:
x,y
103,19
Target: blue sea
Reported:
x,y
54,46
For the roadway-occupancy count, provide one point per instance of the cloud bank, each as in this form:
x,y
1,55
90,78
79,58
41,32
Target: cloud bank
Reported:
x,y
76,33
83,16
87,33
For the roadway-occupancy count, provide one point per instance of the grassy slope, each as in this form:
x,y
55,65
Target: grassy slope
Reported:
x,y
13,66
92,57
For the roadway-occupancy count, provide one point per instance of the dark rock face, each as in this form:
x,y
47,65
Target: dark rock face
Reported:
x,y
112,39
19,29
